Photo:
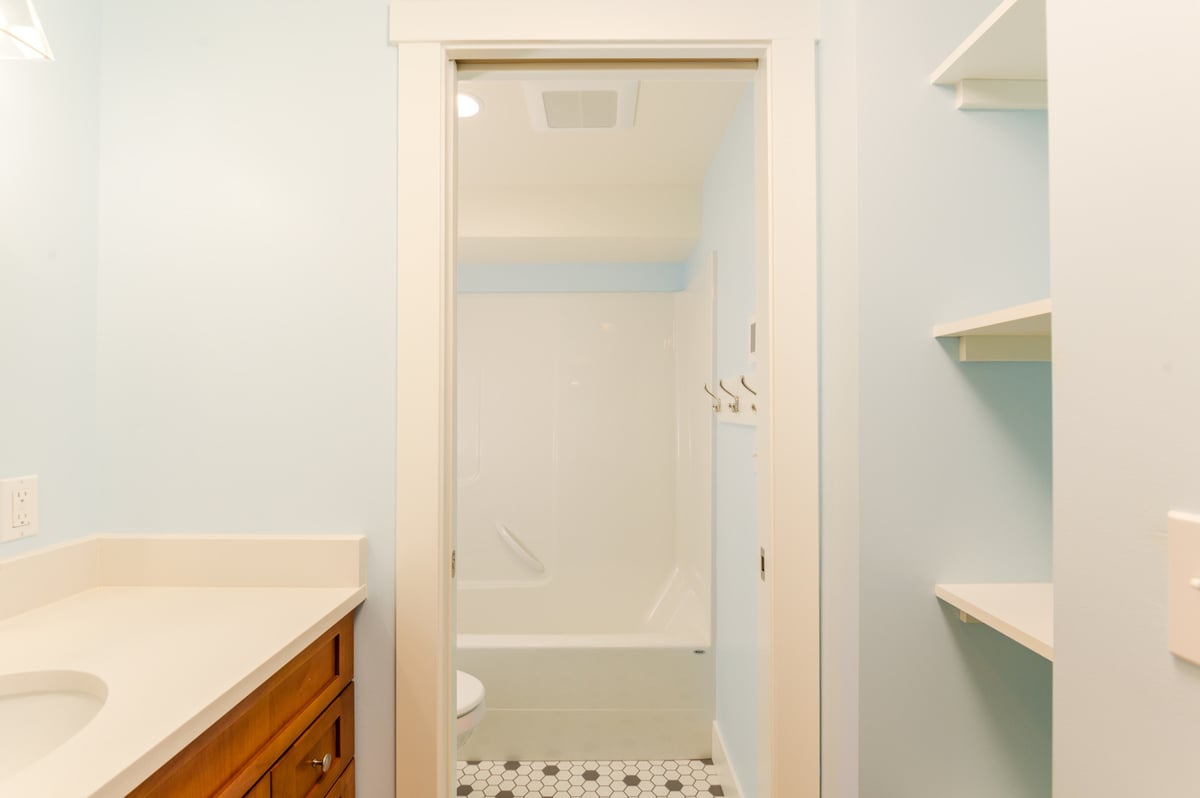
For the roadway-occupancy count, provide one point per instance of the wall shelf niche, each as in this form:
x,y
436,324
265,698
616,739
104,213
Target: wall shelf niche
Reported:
x,y
1022,612
1020,333
1001,66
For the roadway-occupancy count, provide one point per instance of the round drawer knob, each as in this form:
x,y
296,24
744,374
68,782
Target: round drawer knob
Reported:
x,y
324,763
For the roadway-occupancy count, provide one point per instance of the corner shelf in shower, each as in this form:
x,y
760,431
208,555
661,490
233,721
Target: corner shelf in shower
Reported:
x,y
1020,333
1022,612
1001,66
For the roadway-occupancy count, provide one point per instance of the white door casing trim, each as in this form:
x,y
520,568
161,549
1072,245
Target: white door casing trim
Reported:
x,y
430,36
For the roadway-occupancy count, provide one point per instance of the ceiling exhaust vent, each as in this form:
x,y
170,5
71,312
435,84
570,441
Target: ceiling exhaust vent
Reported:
x,y
565,109
582,105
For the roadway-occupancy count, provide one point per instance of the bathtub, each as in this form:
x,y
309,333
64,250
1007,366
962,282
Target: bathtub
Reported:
x,y
583,522
642,694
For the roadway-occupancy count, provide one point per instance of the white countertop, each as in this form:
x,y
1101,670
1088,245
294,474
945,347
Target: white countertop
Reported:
x,y
174,659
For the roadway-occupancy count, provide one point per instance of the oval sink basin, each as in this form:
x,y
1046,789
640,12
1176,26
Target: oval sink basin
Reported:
x,y
41,710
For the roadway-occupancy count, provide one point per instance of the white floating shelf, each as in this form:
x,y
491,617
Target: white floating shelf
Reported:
x,y
1020,333
1002,65
1022,612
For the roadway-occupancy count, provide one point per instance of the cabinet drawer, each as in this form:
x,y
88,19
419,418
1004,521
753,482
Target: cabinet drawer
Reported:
x,y
302,772
345,785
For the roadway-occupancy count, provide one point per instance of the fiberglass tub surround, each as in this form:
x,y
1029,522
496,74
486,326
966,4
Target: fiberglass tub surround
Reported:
x,y
584,522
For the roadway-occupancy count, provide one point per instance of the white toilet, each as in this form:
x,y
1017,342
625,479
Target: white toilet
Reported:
x,y
470,706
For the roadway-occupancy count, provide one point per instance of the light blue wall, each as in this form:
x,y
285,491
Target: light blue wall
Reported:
x,y
49,112
955,459
728,228
247,273
571,277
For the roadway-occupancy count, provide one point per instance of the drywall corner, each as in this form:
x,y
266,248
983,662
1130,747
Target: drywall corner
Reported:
x,y
730,785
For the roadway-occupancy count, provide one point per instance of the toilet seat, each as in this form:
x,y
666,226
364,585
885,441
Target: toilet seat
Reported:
x,y
470,694
470,706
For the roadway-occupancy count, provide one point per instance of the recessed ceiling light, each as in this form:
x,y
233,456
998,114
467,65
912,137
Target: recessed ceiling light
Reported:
x,y
468,106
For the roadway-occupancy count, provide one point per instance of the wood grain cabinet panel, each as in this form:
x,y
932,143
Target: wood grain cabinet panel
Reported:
x,y
344,788
234,757
317,759
262,789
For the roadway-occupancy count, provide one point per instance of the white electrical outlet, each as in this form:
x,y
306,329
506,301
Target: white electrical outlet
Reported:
x,y
18,508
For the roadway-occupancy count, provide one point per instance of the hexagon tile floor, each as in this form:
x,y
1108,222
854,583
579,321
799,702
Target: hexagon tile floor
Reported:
x,y
648,779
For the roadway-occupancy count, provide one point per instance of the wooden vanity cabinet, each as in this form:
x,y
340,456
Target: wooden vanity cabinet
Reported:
x,y
262,789
344,788
320,755
293,737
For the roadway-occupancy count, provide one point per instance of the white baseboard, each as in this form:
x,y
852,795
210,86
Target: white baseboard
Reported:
x,y
729,780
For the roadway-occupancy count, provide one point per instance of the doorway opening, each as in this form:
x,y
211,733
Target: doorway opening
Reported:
x,y
431,38
605,510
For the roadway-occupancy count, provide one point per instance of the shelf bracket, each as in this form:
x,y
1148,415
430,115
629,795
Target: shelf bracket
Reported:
x,y
1000,348
962,616
1001,95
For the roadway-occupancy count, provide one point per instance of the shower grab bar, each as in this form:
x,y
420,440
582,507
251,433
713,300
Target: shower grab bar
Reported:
x,y
519,548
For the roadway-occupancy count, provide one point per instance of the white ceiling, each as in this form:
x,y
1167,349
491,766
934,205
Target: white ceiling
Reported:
x,y
679,124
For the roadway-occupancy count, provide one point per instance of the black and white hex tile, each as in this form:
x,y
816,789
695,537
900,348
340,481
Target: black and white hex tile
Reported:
x,y
671,778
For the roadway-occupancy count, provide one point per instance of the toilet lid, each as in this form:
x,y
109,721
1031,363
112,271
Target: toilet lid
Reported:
x,y
470,693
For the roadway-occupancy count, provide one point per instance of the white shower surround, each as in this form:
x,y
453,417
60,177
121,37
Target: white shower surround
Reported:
x,y
584,430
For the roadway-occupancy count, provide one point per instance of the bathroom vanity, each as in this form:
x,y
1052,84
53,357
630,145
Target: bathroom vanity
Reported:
x,y
293,737
168,666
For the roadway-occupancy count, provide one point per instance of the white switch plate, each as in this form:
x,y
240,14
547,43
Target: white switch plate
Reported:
x,y
18,508
1183,586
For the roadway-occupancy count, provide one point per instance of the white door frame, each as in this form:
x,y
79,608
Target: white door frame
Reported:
x,y
430,36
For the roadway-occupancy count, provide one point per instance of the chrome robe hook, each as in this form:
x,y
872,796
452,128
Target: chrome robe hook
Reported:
x,y
753,405
736,404
716,406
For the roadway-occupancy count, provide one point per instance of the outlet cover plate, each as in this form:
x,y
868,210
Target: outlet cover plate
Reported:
x,y
18,508
1183,585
